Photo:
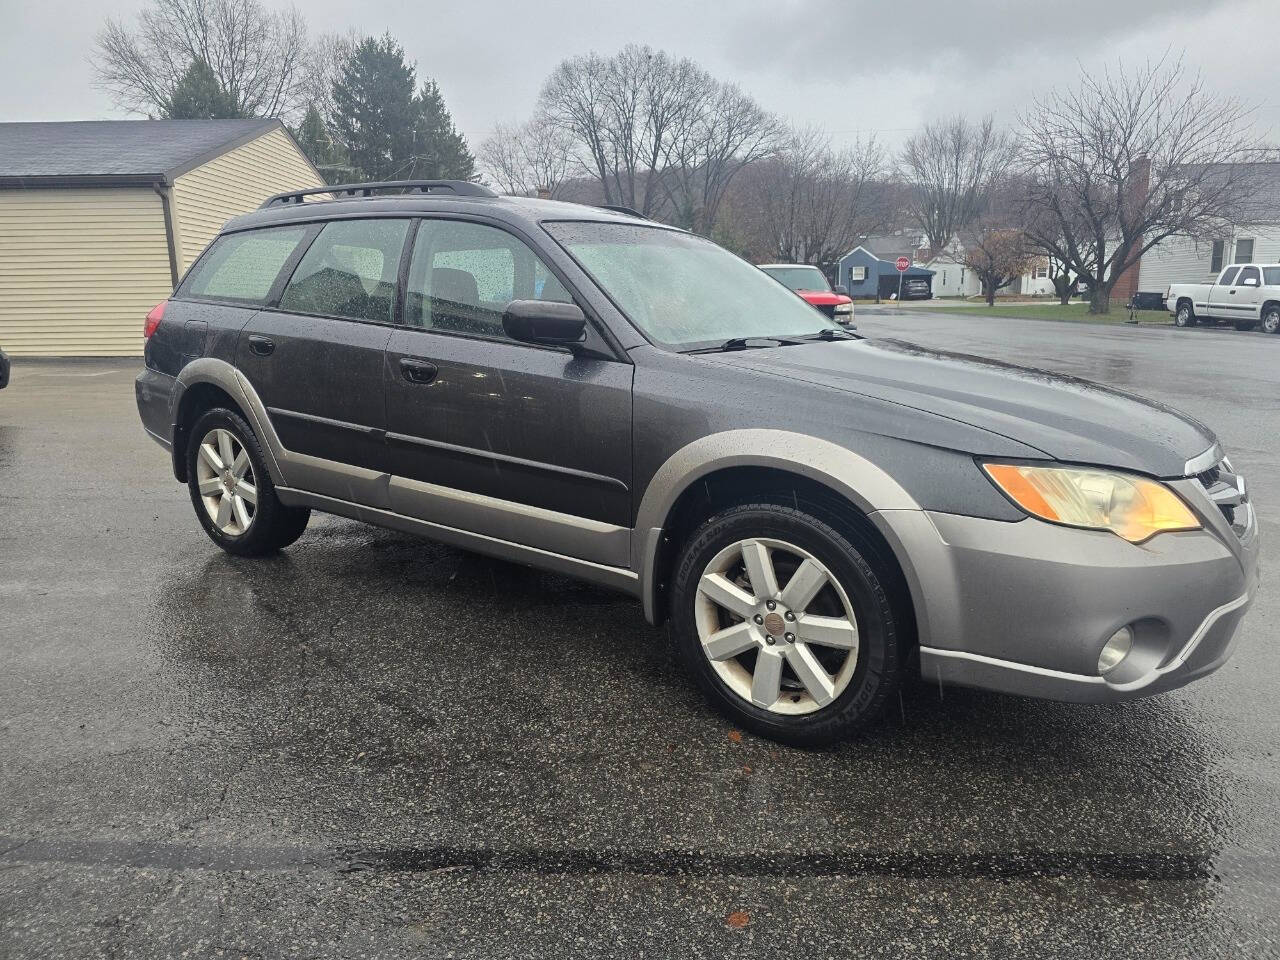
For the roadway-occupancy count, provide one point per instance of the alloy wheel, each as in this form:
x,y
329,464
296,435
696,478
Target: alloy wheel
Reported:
x,y
1184,316
226,482
1271,321
776,626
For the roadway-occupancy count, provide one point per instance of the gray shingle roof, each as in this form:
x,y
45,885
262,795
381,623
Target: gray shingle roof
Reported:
x,y
118,148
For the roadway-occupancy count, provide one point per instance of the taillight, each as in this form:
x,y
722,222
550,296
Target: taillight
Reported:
x,y
153,319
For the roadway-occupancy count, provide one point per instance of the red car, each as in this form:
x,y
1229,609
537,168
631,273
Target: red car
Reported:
x,y
812,287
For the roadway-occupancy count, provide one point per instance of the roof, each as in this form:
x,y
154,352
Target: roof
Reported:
x,y
805,266
886,248
117,152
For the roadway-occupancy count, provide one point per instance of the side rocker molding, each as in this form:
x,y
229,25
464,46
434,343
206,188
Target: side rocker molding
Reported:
x,y
847,474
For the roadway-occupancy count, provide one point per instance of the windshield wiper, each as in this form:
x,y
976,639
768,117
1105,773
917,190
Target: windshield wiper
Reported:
x,y
745,343
830,333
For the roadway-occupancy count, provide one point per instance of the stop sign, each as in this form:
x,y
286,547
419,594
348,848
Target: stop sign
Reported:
x,y
903,264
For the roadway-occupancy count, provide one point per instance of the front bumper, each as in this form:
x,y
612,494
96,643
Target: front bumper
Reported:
x,y
1026,607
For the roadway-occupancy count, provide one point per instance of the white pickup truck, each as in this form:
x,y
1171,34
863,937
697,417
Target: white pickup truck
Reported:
x,y
1245,294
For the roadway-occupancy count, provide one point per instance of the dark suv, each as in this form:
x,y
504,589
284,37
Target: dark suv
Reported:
x,y
583,390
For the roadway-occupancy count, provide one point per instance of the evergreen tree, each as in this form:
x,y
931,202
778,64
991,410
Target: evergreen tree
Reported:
x,y
375,109
440,151
389,132
314,139
198,95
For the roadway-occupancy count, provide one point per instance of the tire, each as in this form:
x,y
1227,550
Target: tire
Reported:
x,y
1243,325
260,523
1185,316
1271,319
860,671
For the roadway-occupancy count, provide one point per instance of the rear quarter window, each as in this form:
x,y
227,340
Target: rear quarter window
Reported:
x,y
242,267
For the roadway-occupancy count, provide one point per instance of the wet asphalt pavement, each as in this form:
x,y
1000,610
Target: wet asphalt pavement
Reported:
x,y
376,746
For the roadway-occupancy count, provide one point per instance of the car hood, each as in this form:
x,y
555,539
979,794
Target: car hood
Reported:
x,y
1068,419
823,298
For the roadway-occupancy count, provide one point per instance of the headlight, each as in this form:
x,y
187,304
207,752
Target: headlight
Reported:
x,y
844,308
1130,506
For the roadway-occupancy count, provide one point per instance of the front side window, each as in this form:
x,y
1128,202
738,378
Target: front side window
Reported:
x,y
1228,276
242,267
1244,251
463,275
349,271
681,290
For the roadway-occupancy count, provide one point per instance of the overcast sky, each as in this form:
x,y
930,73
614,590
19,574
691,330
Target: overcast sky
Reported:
x,y
853,66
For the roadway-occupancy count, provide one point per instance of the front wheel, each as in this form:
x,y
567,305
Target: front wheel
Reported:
x,y
1185,316
231,490
1271,320
786,623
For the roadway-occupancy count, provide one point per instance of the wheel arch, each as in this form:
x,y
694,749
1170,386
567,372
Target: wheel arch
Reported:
x,y
709,473
209,382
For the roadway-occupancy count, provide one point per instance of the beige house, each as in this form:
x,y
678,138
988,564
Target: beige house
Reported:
x,y
99,219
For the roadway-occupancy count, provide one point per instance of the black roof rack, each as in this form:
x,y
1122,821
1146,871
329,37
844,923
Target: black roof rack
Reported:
x,y
457,188
617,209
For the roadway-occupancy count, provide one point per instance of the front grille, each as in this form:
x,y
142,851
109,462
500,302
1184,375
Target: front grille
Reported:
x,y
1229,493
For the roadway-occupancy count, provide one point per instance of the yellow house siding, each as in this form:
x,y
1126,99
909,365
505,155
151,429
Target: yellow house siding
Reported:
x,y
79,269
235,183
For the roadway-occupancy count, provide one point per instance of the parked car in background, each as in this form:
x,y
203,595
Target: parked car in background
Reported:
x,y
811,285
1246,295
4,369
916,288
817,514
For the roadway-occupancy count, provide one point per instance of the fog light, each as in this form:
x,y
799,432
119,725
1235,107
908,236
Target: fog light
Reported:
x,y
1115,649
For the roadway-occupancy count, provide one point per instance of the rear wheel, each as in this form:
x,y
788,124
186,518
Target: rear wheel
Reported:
x,y
231,490
786,623
1185,316
1271,319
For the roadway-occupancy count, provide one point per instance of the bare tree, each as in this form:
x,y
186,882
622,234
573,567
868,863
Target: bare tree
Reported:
x,y
326,60
526,159
951,166
997,252
1127,159
257,55
659,134
814,202
724,132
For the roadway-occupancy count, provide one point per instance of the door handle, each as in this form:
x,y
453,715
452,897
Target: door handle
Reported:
x,y
261,345
1233,293
418,371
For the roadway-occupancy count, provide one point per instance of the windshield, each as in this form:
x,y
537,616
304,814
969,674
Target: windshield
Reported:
x,y
799,278
684,291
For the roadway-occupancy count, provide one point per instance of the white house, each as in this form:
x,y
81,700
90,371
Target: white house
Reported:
x,y
1255,238
951,278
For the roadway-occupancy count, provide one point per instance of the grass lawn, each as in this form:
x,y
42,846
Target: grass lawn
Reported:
x,y
1075,312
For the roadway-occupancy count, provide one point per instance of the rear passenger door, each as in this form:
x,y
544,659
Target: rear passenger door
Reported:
x,y
528,444
316,357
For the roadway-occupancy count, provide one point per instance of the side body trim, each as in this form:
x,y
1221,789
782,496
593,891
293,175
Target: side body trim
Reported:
x,y
615,578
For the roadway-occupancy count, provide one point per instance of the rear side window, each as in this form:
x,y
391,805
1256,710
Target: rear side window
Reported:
x,y
349,271
1248,273
1228,277
243,267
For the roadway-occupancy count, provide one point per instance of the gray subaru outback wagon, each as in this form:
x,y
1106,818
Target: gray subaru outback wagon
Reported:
x,y
579,389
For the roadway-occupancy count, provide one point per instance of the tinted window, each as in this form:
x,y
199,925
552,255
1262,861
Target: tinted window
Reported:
x,y
1228,275
463,275
1248,273
1271,276
349,271
243,266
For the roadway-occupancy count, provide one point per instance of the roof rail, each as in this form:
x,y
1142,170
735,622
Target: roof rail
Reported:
x,y
617,209
457,188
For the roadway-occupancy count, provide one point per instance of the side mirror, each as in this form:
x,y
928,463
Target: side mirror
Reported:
x,y
546,322
841,289
1250,282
